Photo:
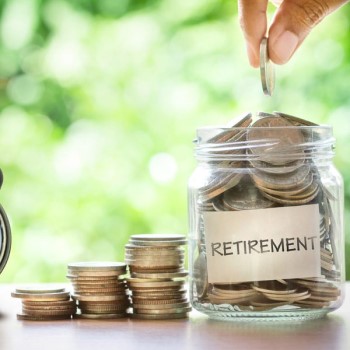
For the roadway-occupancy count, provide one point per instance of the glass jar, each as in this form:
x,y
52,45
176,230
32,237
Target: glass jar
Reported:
x,y
266,221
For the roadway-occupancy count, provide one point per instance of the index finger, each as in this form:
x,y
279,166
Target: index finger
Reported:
x,y
253,21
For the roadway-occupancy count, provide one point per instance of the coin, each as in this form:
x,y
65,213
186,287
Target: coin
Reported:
x,y
157,237
164,243
161,275
220,185
91,316
282,181
267,72
43,296
25,317
245,196
160,307
156,284
170,316
155,301
295,120
273,139
94,297
276,168
97,266
38,289
200,275
167,311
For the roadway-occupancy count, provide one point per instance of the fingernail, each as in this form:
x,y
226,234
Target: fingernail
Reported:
x,y
283,48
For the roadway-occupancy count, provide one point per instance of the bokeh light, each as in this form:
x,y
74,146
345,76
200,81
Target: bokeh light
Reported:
x,y
100,101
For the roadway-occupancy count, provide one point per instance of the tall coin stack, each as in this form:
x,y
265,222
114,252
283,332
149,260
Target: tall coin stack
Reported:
x,y
99,289
157,282
45,303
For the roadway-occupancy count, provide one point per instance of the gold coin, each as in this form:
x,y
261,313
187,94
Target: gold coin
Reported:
x,y
161,276
51,304
100,316
38,289
159,316
98,303
152,269
179,310
48,307
137,250
155,284
142,280
98,297
25,317
39,312
156,301
77,273
93,279
97,266
151,248
43,296
104,310
159,294
139,307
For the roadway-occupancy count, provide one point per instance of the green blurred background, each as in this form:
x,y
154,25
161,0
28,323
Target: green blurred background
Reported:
x,y
100,100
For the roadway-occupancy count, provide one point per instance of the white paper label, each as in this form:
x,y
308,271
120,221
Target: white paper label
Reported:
x,y
263,244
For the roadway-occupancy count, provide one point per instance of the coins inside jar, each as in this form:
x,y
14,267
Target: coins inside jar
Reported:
x,y
271,166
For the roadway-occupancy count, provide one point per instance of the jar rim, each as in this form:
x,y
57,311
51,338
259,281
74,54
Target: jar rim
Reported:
x,y
292,142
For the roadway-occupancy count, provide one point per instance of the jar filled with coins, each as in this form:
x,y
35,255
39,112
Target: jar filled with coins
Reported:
x,y
266,220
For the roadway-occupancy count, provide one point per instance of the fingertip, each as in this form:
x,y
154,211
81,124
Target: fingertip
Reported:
x,y
253,56
282,47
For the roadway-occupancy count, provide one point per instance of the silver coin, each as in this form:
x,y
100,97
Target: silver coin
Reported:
x,y
200,275
295,120
245,196
267,71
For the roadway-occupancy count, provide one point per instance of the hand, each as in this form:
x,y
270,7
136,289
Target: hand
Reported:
x,y
293,21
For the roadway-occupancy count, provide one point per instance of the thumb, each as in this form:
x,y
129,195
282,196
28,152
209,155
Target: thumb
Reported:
x,y
293,21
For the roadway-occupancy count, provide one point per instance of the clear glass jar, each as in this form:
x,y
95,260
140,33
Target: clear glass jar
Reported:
x,y
266,221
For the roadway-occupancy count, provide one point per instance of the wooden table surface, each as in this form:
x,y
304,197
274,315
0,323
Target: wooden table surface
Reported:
x,y
198,332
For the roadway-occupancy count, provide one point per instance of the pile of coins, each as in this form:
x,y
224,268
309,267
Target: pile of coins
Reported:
x,y
264,163
45,304
99,289
157,282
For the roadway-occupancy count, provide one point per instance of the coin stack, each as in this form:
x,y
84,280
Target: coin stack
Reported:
x,y
45,304
157,282
277,174
99,289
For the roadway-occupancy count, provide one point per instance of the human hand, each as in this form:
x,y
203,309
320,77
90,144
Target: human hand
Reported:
x,y
292,22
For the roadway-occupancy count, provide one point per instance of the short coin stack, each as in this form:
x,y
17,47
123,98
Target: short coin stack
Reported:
x,y
157,283
45,304
99,289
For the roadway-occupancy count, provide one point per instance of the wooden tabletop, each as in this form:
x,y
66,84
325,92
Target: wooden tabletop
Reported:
x,y
198,332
